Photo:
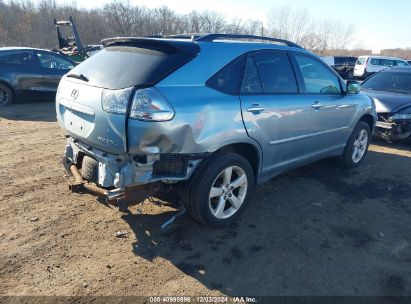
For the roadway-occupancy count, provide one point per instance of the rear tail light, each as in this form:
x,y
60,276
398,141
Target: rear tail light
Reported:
x,y
149,105
116,101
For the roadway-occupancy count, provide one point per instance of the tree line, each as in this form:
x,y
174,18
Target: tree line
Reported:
x,y
28,23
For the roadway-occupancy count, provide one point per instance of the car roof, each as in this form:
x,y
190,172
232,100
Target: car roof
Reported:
x,y
21,48
383,57
406,69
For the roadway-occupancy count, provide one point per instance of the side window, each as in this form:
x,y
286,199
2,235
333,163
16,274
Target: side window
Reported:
x,y
387,62
276,73
227,80
18,58
375,62
317,78
400,63
251,81
340,60
51,61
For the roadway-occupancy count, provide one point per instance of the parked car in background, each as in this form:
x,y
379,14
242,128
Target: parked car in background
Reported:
x,y
391,91
28,74
343,65
368,65
205,118
409,62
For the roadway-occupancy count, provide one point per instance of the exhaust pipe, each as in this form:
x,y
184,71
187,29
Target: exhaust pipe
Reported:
x,y
84,185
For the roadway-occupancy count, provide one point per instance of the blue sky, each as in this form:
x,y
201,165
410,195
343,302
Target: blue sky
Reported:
x,y
378,24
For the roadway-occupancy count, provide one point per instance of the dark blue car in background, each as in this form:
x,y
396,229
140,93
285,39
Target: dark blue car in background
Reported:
x,y
28,74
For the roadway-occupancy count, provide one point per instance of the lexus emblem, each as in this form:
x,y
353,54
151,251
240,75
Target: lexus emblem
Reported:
x,y
74,94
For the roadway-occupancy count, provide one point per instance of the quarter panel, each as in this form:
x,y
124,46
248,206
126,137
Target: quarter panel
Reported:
x,y
205,121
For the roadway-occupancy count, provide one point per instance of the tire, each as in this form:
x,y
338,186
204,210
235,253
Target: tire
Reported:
x,y
89,169
6,95
359,141
226,203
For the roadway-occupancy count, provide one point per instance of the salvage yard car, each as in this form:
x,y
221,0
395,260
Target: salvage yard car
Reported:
x,y
368,65
208,117
28,74
391,91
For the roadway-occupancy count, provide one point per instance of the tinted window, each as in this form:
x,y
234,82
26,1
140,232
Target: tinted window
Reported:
x,y
351,60
117,67
389,81
375,61
317,78
400,63
52,61
251,81
387,62
340,60
276,73
227,80
26,58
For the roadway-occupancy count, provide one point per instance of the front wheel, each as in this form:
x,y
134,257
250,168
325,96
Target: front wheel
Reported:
x,y
357,146
220,189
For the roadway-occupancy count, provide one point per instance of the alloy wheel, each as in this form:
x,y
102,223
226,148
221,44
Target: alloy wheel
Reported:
x,y
228,192
4,97
360,146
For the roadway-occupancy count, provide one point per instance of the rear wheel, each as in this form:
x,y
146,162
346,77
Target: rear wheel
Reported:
x,y
357,146
6,95
220,189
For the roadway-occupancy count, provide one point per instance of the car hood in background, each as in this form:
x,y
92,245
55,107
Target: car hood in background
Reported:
x,y
388,102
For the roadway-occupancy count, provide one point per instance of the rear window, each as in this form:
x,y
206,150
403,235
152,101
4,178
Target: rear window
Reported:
x,y
117,67
360,61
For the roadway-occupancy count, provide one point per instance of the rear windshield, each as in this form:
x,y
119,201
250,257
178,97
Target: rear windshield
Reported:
x,y
360,61
117,67
390,82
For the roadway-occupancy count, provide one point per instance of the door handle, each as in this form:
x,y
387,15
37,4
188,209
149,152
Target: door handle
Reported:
x,y
317,105
255,108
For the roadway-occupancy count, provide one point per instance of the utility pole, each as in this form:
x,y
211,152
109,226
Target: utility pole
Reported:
x,y
262,28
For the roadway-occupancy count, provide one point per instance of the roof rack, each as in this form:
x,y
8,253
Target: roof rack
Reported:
x,y
192,36
212,37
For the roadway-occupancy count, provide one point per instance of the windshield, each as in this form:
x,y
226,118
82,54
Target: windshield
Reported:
x,y
360,61
118,67
390,82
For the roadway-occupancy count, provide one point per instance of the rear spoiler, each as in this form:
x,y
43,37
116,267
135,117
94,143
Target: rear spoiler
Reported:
x,y
147,42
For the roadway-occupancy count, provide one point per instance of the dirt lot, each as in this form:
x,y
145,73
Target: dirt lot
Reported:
x,y
318,230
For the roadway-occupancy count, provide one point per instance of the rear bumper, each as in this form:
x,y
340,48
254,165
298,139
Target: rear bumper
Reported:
x,y
126,171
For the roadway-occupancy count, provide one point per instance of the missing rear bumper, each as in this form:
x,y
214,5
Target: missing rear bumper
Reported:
x,y
130,195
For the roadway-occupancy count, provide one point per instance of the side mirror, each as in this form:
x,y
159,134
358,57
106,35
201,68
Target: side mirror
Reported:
x,y
353,87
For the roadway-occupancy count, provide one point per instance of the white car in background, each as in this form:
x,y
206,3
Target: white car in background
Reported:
x,y
368,65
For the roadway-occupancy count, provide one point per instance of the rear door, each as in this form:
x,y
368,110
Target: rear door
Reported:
x,y
331,110
274,112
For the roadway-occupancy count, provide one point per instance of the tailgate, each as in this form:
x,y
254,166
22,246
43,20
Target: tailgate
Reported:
x,y
80,114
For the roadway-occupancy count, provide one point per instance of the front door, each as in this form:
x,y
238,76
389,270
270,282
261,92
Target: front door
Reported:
x,y
331,111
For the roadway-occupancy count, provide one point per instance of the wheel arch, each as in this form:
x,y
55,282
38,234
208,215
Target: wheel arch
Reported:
x,y
247,150
369,119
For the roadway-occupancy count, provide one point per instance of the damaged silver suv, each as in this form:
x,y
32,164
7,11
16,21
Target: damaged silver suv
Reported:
x,y
207,117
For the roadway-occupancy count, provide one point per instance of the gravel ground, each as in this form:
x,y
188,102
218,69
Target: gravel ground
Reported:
x,y
318,230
